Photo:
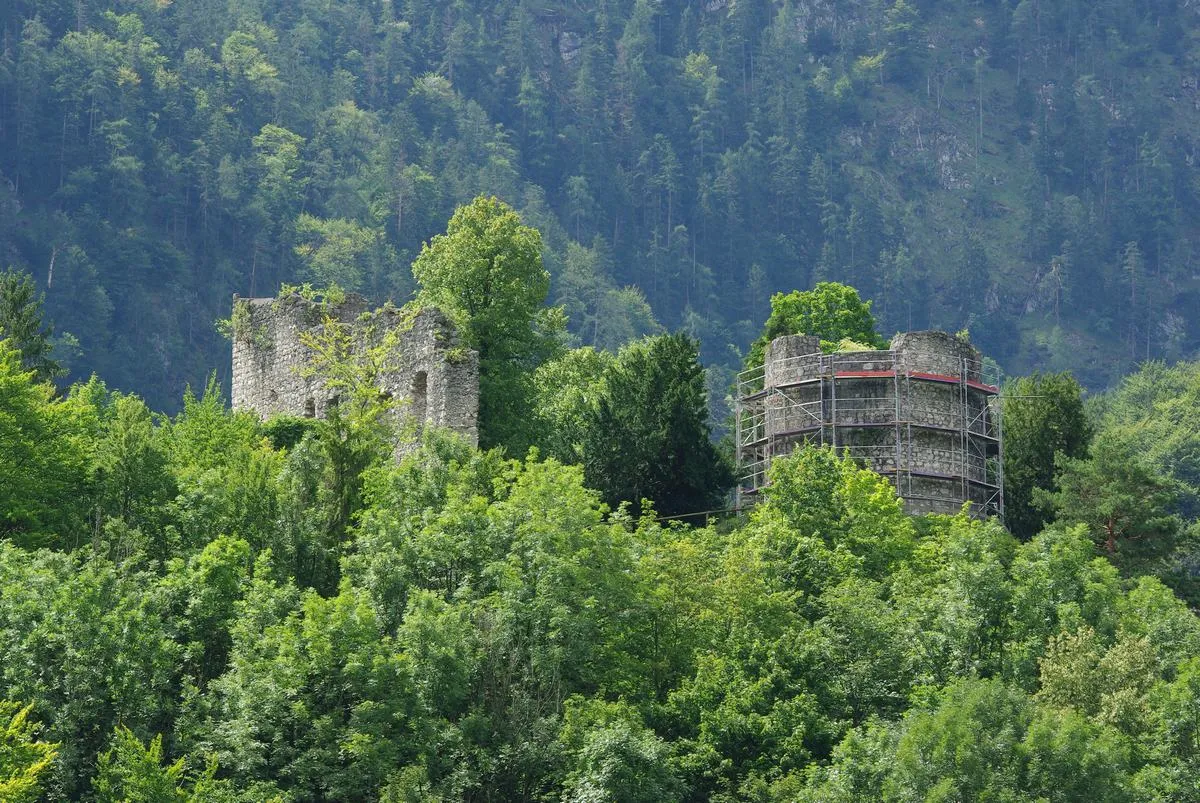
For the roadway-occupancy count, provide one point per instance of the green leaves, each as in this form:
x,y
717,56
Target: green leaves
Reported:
x,y
613,756
1043,416
24,758
89,646
341,252
486,272
831,311
646,434
44,455
134,773
21,325
1127,507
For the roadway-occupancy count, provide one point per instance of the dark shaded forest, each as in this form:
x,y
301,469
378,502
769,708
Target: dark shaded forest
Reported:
x,y
1024,170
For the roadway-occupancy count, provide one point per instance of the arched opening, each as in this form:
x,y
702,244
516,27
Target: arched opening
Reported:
x,y
419,397
310,408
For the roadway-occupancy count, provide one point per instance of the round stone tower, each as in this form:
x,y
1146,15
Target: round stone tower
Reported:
x,y
920,413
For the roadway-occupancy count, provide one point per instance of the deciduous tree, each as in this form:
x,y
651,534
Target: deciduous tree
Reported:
x,y
830,311
486,271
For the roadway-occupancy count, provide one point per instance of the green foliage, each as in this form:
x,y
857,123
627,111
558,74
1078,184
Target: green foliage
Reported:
x,y
1152,414
340,252
130,471
91,649
21,325
361,426
831,311
286,431
23,757
316,698
156,160
226,476
966,748
614,757
240,326
485,626
826,518
236,610
1125,505
1043,417
486,271
567,389
647,435
134,773
44,455
635,421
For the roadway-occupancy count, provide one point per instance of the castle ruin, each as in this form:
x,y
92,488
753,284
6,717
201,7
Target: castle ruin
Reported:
x,y
925,413
427,371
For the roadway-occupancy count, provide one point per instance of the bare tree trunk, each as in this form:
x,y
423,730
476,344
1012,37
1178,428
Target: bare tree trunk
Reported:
x,y
50,273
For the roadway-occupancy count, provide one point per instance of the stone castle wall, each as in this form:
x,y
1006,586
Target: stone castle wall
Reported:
x,y
917,412
433,377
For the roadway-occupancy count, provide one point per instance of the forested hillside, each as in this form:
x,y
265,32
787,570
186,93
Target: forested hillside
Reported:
x,y
1024,169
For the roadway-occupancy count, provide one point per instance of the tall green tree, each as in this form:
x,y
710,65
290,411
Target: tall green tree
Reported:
x,y
1043,417
44,456
487,272
21,324
648,434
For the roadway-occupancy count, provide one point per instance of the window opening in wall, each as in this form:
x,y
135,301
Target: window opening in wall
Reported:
x,y
419,396
310,408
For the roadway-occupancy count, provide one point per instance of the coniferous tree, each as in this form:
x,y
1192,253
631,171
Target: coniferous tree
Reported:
x,y
648,437
21,324
1043,417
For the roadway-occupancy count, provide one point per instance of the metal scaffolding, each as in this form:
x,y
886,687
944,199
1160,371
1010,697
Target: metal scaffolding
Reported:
x,y
937,436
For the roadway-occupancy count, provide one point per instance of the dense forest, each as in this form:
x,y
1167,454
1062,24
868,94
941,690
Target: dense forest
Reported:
x,y
191,612
210,607
198,605
1022,169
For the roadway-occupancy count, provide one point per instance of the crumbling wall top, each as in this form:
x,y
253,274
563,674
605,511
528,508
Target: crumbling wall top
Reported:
x,y
936,352
781,363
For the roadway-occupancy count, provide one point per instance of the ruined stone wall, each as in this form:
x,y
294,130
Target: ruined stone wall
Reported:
x,y
935,352
428,373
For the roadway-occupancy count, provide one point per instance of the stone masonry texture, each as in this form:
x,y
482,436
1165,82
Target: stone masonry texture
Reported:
x,y
917,412
433,377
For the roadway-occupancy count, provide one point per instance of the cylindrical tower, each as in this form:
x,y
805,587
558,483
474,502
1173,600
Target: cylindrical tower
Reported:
x,y
920,413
